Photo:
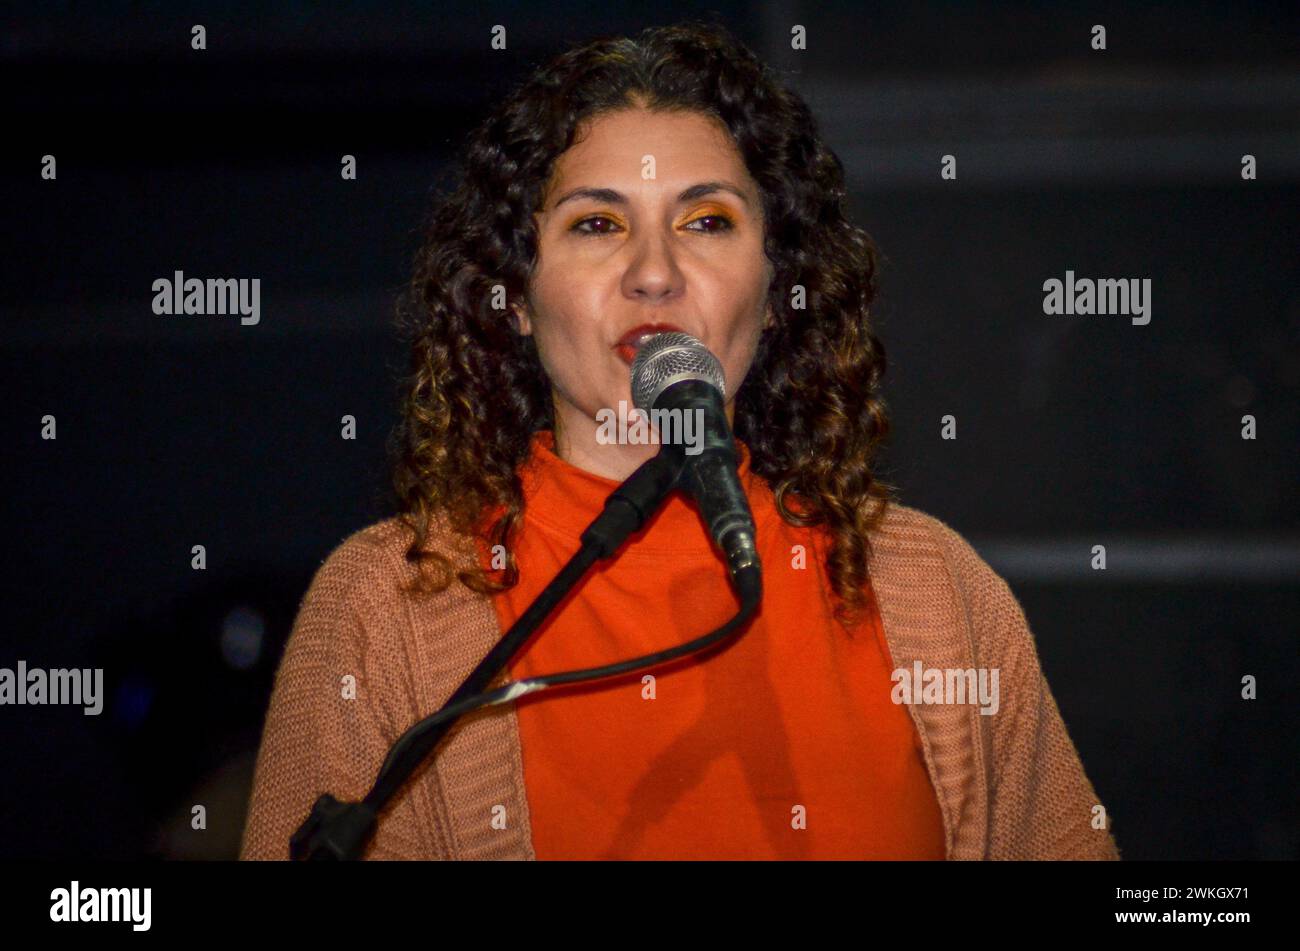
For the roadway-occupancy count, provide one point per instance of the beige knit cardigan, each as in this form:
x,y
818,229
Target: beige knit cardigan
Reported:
x,y
1010,785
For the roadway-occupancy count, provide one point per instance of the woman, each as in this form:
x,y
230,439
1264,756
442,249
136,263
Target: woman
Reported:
x,y
631,187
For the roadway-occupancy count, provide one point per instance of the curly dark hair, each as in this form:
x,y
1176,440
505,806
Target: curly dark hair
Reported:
x,y
809,408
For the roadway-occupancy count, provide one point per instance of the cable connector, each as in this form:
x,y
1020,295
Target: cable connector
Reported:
x,y
335,831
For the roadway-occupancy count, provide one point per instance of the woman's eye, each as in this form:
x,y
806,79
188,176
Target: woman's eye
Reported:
x,y
578,226
724,223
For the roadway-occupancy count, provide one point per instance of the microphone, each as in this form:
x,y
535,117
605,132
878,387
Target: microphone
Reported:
x,y
675,372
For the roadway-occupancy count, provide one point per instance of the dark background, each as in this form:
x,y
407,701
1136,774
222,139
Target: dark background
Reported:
x,y
1072,431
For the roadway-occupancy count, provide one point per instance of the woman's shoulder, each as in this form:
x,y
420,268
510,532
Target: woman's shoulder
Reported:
x,y
365,610
369,557
915,551
370,566
910,534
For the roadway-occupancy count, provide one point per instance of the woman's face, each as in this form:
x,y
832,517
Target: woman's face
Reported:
x,y
619,247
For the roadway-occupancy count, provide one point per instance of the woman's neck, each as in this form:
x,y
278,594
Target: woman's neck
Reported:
x,y
583,442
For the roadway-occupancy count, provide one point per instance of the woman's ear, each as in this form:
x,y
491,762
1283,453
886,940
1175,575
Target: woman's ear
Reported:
x,y
523,323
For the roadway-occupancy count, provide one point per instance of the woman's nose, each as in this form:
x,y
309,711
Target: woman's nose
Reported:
x,y
652,271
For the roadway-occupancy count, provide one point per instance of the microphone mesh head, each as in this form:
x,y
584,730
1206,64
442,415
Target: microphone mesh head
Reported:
x,y
668,358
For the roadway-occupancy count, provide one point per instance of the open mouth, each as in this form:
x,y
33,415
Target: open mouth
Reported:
x,y
630,342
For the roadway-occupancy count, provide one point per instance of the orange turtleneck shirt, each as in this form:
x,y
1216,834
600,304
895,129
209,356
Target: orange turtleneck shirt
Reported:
x,y
784,744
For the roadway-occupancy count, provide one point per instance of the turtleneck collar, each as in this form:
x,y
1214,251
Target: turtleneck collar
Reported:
x,y
563,498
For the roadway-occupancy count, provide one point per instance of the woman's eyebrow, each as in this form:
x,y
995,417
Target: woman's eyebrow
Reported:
x,y
612,197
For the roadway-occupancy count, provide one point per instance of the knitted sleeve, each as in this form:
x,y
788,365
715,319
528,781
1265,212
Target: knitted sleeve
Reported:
x,y
1041,804
329,724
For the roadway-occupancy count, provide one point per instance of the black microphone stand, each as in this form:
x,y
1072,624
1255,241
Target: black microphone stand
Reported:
x,y
340,830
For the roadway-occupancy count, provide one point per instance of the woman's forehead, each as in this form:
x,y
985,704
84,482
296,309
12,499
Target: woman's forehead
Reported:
x,y
636,148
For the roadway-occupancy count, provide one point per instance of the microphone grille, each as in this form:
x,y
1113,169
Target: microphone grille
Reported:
x,y
668,358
